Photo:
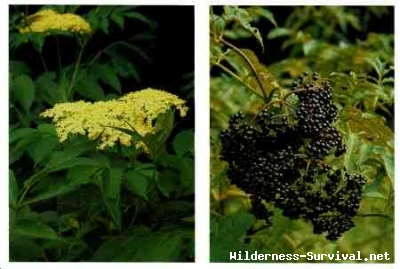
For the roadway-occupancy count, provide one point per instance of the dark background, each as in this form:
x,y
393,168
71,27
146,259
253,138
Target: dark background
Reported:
x,y
171,52
383,24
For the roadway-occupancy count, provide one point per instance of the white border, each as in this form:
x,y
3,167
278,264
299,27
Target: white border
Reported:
x,y
201,136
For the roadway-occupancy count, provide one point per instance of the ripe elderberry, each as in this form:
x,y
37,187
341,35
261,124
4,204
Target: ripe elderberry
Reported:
x,y
281,161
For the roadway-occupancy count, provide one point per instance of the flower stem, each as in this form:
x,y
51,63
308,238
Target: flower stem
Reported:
x,y
76,69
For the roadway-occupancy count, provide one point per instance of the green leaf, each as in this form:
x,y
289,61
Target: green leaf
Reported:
x,y
374,194
187,176
23,138
17,134
162,246
163,128
279,32
25,250
310,46
121,247
18,68
45,145
243,69
113,188
33,229
141,17
118,19
13,190
263,12
234,13
90,88
136,49
67,158
52,187
69,164
106,74
104,25
184,143
37,41
367,126
46,86
167,182
123,67
137,182
388,160
111,194
227,234
24,91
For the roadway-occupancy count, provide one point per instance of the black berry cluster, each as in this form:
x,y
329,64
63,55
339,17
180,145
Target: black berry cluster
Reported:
x,y
281,160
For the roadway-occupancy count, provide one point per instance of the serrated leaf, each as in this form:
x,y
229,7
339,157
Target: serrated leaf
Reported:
x,y
104,25
389,166
137,182
88,87
24,91
141,17
234,13
161,246
227,234
234,225
47,87
371,128
263,12
19,133
45,145
23,139
167,182
66,159
106,74
184,143
118,19
136,49
125,68
53,187
121,248
268,82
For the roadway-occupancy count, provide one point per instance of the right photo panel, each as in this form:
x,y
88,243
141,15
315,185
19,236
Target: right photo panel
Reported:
x,y
302,134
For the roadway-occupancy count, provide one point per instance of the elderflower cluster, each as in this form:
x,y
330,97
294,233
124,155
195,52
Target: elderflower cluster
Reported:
x,y
47,20
137,110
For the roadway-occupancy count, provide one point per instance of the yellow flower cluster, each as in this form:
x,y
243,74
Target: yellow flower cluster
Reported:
x,y
47,19
136,109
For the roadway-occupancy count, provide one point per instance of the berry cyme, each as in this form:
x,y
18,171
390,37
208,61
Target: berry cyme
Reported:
x,y
280,159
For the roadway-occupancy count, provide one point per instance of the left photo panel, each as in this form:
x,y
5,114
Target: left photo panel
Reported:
x,y
101,133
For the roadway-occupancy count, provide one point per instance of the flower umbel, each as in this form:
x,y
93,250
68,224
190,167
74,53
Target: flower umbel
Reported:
x,y
46,20
96,120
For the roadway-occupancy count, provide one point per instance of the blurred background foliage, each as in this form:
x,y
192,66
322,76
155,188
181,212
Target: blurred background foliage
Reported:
x,y
353,48
71,202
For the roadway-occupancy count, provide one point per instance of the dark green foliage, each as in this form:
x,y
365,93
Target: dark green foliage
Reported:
x,y
312,158
69,201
